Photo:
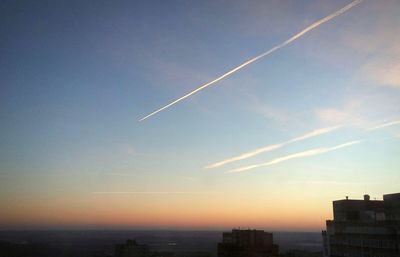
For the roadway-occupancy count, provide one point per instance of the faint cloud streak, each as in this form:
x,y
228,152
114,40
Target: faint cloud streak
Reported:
x,y
149,192
332,115
384,71
384,125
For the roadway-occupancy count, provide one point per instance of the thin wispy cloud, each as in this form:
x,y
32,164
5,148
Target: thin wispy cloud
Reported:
x,y
150,192
384,125
308,153
383,71
275,48
329,182
120,174
269,148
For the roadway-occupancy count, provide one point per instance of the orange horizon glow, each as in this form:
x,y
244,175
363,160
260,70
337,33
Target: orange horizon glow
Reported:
x,y
300,217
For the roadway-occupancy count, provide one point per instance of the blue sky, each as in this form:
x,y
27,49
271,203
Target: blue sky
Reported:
x,y
76,77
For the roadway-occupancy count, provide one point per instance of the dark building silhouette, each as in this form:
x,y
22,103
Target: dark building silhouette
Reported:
x,y
364,228
196,254
131,249
301,253
247,243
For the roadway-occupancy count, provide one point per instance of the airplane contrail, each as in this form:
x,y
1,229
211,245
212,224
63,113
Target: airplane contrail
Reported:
x,y
290,40
269,148
312,152
151,192
385,125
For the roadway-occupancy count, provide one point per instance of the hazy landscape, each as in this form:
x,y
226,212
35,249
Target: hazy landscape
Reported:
x,y
101,243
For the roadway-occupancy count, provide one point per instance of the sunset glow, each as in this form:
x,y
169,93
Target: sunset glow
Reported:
x,y
314,117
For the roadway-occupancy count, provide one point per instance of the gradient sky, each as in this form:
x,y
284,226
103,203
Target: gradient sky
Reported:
x,y
76,76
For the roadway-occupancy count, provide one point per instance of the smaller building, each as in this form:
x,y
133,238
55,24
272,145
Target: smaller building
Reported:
x,y
131,249
247,243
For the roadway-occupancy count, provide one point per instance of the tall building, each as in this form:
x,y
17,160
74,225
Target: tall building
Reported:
x,y
247,243
364,228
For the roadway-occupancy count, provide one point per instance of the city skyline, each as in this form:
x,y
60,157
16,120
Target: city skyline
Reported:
x,y
268,147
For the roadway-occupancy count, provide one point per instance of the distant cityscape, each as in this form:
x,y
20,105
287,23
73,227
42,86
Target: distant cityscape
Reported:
x,y
360,228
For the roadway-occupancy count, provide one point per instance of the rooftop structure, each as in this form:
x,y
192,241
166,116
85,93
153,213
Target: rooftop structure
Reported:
x,y
364,228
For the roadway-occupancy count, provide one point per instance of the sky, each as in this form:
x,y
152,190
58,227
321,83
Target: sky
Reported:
x,y
268,147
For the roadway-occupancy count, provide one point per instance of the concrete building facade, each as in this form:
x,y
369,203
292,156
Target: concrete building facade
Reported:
x,y
364,228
